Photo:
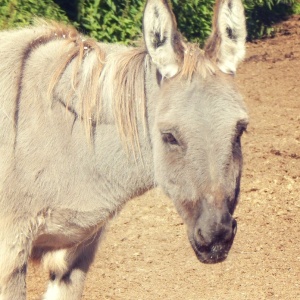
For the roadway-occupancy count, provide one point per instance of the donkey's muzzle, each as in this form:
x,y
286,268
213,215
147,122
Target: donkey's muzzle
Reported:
x,y
212,241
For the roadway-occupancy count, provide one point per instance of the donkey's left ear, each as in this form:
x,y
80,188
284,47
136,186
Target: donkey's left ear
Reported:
x,y
162,39
226,45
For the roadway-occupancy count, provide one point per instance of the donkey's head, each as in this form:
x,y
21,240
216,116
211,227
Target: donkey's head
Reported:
x,y
199,121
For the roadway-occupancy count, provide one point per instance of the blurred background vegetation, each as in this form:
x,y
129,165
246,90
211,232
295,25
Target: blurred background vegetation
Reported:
x,y
121,20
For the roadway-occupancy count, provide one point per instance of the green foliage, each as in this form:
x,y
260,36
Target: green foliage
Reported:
x,y
121,20
111,20
22,12
262,15
194,18
296,8
116,20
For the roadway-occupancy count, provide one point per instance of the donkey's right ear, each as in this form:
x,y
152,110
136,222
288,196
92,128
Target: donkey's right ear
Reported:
x,y
162,39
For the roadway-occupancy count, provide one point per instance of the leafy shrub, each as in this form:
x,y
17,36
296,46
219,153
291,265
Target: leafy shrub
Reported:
x,y
121,20
296,7
111,20
263,14
194,18
116,20
22,12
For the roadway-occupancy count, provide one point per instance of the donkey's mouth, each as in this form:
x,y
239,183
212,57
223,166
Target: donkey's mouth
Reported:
x,y
215,253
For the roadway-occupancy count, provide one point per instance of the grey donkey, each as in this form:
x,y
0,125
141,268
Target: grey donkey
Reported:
x,y
86,126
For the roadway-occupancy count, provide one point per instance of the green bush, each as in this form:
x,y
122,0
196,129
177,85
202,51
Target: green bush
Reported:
x,y
15,13
194,18
121,20
116,20
111,20
296,7
262,15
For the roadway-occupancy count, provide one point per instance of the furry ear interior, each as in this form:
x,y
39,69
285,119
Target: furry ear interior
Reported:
x,y
162,39
226,45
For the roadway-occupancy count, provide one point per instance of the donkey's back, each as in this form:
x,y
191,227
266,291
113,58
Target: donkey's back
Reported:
x,y
12,54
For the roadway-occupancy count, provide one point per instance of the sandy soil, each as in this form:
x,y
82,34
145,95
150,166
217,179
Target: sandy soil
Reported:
x,y
146,254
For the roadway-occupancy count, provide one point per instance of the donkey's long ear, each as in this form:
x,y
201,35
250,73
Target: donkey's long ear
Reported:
x,y
162,39
226,45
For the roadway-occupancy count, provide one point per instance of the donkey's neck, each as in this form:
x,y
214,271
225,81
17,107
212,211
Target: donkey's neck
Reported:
x,y
132,173
118,172
121,175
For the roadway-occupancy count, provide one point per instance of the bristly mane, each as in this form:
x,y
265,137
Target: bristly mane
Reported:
x,y
121,78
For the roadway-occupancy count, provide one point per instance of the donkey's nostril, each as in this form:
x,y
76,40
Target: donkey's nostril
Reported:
x,y
234,227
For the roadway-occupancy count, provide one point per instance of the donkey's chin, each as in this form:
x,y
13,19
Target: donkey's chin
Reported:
x,y
213,254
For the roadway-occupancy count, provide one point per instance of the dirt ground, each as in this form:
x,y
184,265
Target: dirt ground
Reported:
x,y
146,254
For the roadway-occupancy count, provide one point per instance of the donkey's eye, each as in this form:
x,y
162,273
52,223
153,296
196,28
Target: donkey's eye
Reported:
x,y
169,138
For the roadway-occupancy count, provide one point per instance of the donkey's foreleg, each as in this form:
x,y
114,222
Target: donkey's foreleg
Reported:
x,y
67,269
14,252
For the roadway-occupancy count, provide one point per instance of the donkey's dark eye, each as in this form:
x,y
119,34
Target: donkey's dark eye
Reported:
x,y
169,138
